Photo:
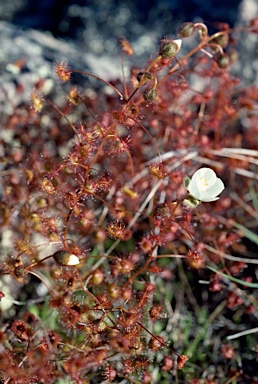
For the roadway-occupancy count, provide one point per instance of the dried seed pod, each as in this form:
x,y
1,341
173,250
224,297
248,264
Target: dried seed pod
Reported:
x,y
126,46
181,360
155,312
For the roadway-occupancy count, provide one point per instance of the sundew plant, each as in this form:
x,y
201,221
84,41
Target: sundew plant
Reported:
x,y
131,214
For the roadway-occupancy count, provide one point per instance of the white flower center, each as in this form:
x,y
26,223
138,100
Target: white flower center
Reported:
x,y
203,183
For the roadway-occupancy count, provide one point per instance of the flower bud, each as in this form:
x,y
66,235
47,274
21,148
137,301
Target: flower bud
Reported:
x,y
114,291
168,364
169,48
191,202
48,186
64,258
36,101
20,271
232,55
186,30
126,46
74,96
155,312
222,61
97,277
150,94
195,260
221,40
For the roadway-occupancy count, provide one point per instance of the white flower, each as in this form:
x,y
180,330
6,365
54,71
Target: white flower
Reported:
x,y
204,186
73,260
178,43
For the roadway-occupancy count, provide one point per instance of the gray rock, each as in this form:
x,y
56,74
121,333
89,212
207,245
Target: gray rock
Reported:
x,y
26,56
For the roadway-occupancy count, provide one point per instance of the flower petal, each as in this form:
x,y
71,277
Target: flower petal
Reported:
x,y
216,188
209,199
205,185
194,189
204,177
178,42
73,260
186,182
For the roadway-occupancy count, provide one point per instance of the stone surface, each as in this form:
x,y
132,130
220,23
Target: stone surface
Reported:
x,y
28,55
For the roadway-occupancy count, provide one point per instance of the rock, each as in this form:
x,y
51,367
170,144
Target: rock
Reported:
x,y
27,56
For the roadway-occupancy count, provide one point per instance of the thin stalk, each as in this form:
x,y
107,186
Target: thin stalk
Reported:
x,y
100,79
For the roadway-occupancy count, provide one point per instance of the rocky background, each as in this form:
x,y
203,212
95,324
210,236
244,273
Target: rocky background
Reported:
x,y
85,33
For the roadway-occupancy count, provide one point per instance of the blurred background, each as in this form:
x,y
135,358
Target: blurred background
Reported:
x,y
85,33
96,24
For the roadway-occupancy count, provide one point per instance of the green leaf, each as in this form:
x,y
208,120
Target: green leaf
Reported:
x,y
247,233
245,283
